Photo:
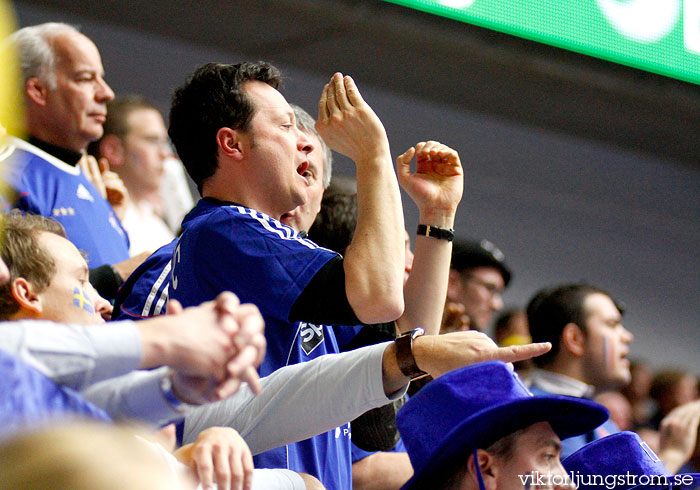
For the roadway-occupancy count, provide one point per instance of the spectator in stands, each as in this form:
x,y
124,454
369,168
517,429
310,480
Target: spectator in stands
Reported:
x,y
146,291
66,97
589,355
511,328
30,300
135,143
623,461
48,281
589,347
318,174
487,431
247,188
671,388
478,277
379,459
619,408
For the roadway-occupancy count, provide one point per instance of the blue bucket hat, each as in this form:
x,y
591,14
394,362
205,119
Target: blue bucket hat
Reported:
x,y
627,462
475,406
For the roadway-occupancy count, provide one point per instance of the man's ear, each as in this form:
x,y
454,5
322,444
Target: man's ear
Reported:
x,y
230,143
112,148
26,296
36,90
454,285
489,469
573,339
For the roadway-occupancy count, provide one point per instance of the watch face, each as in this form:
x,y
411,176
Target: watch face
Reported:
x,y
417,333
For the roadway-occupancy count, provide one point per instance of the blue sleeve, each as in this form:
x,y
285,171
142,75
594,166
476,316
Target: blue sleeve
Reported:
x,y
145,293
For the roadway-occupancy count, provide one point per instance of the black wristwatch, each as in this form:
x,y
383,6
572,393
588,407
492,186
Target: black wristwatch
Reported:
x,y
436,232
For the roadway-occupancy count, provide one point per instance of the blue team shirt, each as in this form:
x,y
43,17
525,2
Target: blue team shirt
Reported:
x,y
50,187
145,292
233,248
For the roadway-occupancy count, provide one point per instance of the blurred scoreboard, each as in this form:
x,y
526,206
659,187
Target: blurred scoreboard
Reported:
x,y
660,36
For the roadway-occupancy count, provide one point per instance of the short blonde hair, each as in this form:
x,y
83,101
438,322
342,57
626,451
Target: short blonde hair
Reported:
x,y
24,256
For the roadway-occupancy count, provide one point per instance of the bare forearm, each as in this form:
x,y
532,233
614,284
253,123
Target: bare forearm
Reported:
x,y
426,288
381,471
374,261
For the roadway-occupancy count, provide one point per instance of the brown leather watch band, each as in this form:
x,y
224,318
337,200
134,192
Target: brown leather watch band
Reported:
x,y
404,354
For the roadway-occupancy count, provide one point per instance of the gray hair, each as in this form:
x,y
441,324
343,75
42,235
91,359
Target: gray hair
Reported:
x,y
307,124
36,52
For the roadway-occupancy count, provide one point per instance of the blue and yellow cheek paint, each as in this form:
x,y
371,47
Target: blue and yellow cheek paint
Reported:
x,y
82,301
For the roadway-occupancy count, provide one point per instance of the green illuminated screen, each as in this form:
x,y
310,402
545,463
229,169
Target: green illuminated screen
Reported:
x,y
660,36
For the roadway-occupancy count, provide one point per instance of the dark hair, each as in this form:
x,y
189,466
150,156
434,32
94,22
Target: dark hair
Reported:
x,y
550,310
24,255
335,224
118,112
211,99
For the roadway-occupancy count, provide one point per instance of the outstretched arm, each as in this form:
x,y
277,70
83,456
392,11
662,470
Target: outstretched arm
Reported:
x,y
439,354
374,261
326,392
436,187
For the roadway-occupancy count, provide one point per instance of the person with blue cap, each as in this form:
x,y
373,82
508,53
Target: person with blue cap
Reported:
x,y
622,461
486,431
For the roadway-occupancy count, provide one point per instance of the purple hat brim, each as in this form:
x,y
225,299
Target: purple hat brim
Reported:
x,y
568,416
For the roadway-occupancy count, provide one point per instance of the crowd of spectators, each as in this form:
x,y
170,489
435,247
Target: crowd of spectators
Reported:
x,y
280,332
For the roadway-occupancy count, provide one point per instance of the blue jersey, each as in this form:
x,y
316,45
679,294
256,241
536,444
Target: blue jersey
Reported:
x,y
233,248
145,293
50,187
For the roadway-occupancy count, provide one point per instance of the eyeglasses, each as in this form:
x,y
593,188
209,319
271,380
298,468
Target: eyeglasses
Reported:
x,y
491,288
155,141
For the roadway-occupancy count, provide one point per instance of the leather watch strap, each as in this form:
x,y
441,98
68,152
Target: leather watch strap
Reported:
x,y
404,354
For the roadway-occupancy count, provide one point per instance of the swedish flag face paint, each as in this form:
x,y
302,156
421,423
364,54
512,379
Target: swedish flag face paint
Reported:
x,y
82,301
69,298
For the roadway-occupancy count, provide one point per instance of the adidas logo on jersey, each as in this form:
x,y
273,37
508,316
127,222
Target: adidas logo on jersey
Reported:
x,y
83,193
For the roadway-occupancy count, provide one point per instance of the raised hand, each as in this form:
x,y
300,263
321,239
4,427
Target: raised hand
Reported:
x,y
678,435
348,124
438,182
108,183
